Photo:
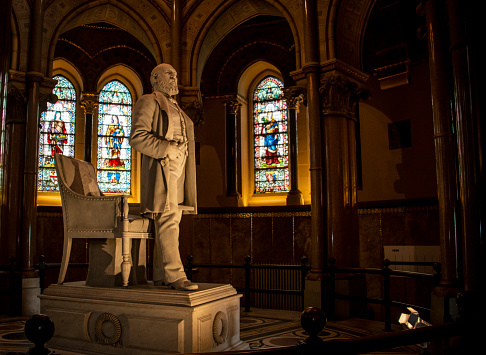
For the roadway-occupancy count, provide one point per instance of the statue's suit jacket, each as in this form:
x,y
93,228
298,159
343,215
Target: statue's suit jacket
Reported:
x,y
150,135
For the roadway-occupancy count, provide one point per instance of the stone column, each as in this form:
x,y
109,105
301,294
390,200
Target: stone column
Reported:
x,y
311,69
89,103
468,98
13,170
232,108
340,95
445,161
293,96
34,79
466,42
176,36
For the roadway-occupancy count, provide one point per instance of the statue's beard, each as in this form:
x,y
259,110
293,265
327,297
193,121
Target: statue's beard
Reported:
x,y
169,88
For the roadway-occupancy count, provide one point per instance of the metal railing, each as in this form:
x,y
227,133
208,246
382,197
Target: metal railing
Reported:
x,y
247,290
386,274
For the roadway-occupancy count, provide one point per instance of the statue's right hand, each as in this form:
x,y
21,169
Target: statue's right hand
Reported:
x,y
173,152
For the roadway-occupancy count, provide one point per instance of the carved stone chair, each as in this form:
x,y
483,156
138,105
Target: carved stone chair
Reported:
x,y
87,213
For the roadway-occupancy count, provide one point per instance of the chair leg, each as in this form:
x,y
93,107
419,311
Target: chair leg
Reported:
x,y
125,266
66,253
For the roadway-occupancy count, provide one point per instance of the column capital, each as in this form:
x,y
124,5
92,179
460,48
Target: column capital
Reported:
x,y
233,106
339,96
44,98
192,104
89,102
294,95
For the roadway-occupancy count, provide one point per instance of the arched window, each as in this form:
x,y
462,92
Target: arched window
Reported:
x,y
271,160
114,153
57,133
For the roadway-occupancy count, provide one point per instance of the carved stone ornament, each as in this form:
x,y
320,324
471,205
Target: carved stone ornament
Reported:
x,y
16,105
340,96
44,99
294,95
113,338
220,328
89,103
195,111
233,106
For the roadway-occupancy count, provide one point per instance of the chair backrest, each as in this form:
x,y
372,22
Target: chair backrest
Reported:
x,y
76,175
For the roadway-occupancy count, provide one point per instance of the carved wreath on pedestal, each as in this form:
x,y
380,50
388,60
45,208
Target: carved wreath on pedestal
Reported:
x,y
101,337
220,328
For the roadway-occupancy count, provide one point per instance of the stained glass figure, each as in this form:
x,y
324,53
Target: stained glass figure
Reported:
x,y
57,133
271,160
114,152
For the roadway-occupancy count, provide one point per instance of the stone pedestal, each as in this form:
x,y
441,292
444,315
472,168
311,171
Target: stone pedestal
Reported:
x,y
30,290
143,319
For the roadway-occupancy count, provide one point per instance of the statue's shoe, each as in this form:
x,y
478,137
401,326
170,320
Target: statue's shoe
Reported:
x,y
183,285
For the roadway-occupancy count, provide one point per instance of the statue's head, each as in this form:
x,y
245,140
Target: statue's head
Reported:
x,y
164,79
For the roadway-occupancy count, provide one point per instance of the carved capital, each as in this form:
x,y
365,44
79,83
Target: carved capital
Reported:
x,y
195,111
294,96
340,96
89,102
44,99
16,105
233,106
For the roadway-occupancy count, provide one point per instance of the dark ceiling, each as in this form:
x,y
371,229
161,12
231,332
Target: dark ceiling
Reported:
x,y
266,38
96,47
395,32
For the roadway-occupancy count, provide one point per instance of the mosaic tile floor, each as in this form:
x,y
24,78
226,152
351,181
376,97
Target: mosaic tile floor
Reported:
x,y
261,329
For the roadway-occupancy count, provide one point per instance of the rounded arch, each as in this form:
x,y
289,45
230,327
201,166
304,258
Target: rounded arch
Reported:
x,y
126,75
228,17
63,67
253,74
115,13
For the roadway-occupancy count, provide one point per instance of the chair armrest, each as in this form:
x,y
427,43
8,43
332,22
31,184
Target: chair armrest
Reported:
x,y
91,213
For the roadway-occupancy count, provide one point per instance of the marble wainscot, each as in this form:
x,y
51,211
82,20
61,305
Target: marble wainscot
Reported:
x,y
143,319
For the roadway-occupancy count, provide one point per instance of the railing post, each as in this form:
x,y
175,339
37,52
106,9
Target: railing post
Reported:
x,y
189,267
42,273
386,294
247,283
332,288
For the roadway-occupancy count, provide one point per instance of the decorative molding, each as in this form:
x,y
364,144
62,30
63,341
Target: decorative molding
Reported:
x,y
394,210
254,215
335,67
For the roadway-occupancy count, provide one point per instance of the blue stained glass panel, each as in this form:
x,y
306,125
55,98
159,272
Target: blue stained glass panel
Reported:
x,y
57,133
270,132
114,159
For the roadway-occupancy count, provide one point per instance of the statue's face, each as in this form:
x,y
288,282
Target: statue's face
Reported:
x,y
164,79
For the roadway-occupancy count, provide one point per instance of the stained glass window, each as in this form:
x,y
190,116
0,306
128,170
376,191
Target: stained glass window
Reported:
x,y
114,159
271,169
57,133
